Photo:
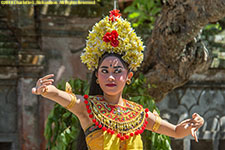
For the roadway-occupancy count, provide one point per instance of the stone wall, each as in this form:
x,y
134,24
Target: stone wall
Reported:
x,y
21,63
205,98
8,114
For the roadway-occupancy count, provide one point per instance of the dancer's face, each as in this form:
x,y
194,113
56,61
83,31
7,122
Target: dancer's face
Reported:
x,y
112,75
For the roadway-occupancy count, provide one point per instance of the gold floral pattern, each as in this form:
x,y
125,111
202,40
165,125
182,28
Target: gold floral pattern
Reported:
x,y
127,120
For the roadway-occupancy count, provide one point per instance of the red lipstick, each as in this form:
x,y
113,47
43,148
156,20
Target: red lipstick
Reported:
x,y
111,85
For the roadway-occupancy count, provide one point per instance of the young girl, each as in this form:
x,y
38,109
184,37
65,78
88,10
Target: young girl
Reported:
x,y
110,122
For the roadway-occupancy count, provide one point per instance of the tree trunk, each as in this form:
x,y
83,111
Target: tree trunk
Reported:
x,y
173,52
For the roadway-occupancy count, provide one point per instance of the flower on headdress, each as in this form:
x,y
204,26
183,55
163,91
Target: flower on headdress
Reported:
x,y
113,35
114,43
114,13
107,37
112,38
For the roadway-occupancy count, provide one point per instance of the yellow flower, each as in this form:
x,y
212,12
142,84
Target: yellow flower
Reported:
x,y
129,43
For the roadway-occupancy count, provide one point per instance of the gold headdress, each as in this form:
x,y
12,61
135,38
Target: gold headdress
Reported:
x,y
113,34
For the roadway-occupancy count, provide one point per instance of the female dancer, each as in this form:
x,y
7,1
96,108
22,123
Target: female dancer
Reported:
x,y
110,122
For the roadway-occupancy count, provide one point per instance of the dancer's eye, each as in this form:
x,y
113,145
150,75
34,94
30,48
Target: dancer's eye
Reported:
x,y
118,71
104,71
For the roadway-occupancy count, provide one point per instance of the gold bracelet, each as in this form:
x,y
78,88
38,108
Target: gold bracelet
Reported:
x,y
73,97
157,122
72,102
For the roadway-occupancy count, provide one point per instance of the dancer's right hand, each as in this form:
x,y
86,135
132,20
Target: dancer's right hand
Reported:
x,y
42,83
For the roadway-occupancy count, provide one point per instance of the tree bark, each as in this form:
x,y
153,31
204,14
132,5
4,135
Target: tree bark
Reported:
x,y
173,52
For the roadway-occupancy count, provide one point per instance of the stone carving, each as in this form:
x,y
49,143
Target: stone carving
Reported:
x,y
209,102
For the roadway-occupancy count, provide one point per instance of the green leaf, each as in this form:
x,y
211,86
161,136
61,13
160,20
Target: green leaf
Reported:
x,y
129,9
133,15
67,114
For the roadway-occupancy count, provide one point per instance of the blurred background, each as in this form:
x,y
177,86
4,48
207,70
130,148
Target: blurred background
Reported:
x,y
36,40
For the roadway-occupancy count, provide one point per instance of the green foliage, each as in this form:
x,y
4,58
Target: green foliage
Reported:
x,y
142,12
213,36
213,28
62,126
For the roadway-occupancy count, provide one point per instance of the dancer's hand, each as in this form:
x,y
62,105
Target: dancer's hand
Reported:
x,y
193,124
42,83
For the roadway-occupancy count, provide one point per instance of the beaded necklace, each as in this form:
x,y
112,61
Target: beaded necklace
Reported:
x,y
125,121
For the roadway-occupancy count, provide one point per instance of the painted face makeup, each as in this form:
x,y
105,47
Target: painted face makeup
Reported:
x,y
112,75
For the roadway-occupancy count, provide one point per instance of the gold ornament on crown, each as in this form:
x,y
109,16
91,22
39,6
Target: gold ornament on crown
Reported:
x,y
113,34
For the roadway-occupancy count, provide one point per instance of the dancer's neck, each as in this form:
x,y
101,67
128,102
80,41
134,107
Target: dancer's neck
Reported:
x,y
114,99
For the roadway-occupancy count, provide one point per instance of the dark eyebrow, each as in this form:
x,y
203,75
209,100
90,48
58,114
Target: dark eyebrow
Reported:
x,y
113,67
104,67
117,67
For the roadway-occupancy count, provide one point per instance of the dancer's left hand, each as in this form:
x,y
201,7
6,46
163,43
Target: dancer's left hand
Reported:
x,y
193,124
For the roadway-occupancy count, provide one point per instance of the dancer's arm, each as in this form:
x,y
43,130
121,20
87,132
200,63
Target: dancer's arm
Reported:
x,y
185,128
45,88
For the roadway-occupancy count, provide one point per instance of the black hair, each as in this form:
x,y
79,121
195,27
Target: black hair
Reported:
x,y
95,89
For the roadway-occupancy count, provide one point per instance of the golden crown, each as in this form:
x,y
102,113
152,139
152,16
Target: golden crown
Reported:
x,y
113,34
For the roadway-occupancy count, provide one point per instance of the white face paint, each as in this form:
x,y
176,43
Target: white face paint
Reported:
x,y
112,75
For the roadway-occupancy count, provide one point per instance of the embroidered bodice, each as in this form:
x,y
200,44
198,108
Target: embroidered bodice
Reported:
x,y
125,121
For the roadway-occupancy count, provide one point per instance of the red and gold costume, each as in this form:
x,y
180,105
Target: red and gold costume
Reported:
x,y
114,127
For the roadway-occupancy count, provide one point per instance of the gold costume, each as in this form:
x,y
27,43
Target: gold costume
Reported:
x,y
115,127
100,140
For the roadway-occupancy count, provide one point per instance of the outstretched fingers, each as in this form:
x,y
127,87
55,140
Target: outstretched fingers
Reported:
x,y
186,123
42,83
47,76
198,121
46,80
41,89
194,134
34,90
193,124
